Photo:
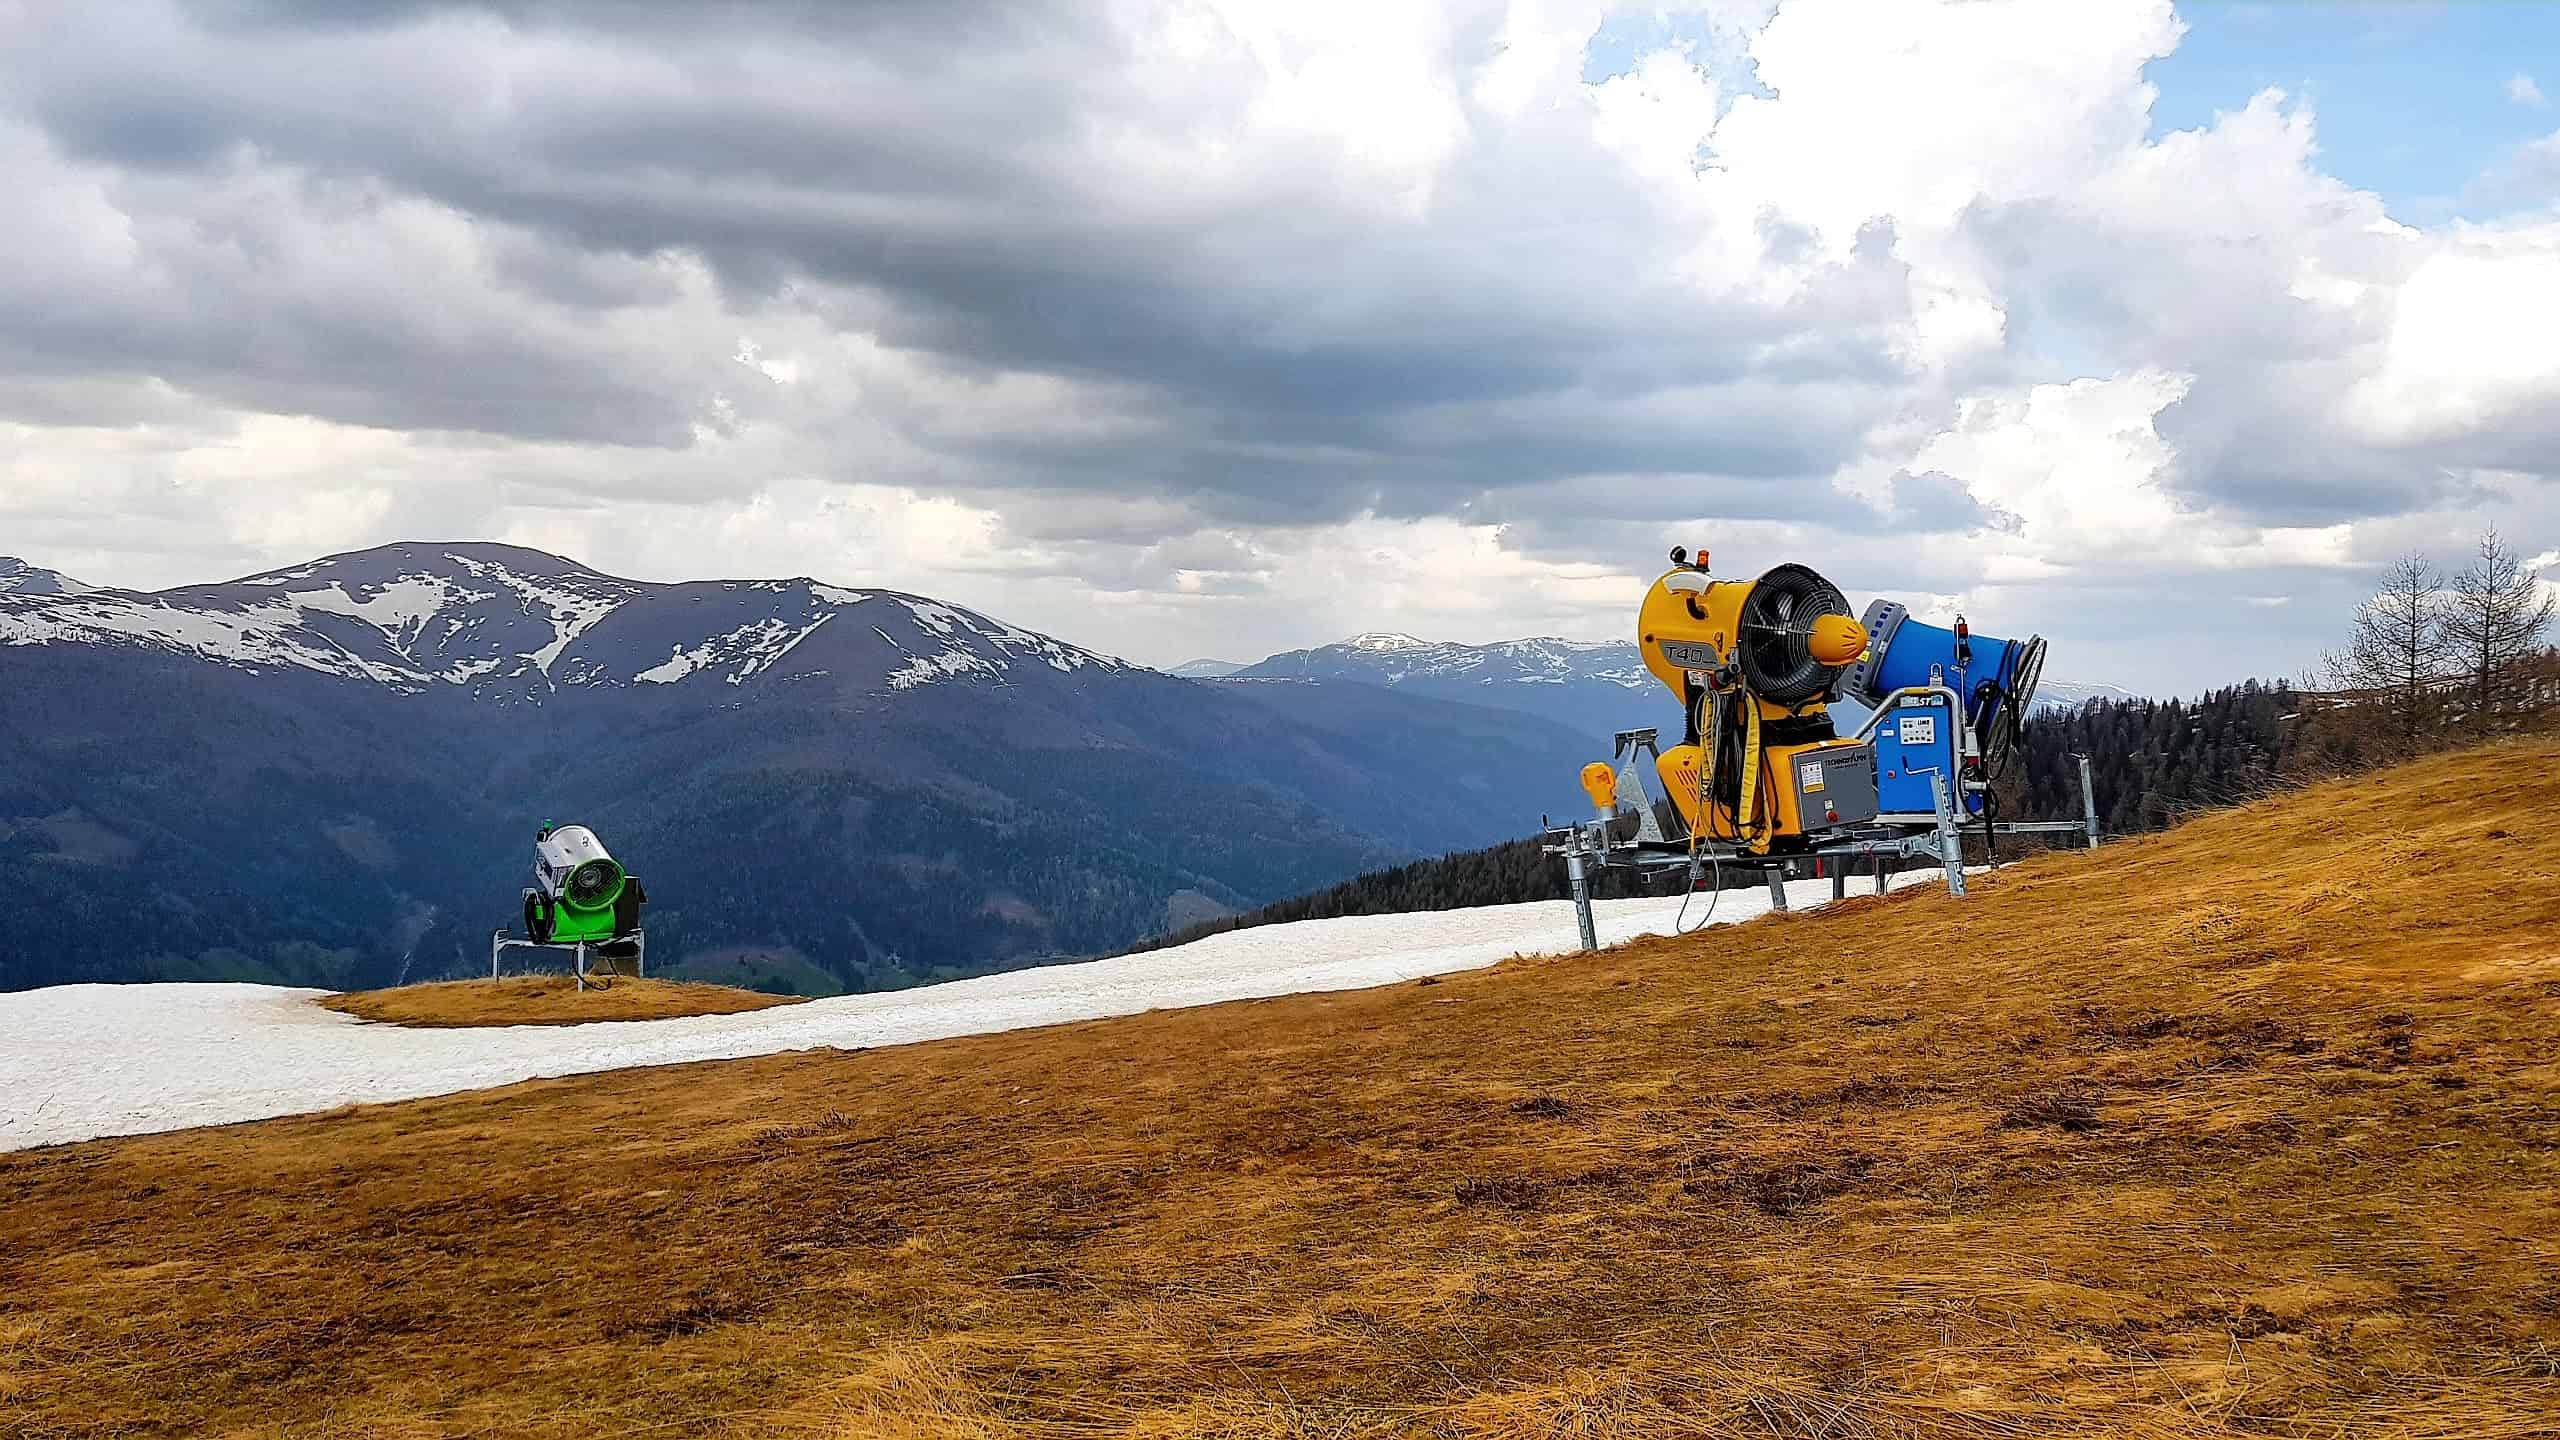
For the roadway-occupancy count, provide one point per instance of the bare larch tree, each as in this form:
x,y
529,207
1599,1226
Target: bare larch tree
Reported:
x,y
2495,614
2398,659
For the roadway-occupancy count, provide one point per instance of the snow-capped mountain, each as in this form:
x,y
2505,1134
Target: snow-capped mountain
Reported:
x,y
329,773
1596,688
17,577
503,622
2071,694
1206,669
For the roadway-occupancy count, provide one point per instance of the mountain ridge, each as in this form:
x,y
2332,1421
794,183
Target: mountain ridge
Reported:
x,y
18,577
1595,687
326,773
507,622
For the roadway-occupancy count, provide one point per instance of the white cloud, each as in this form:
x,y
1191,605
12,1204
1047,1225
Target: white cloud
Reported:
x,y
1196,326
2522,90
2471,345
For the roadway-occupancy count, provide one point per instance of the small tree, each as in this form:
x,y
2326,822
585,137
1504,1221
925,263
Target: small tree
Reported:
x,y
2494,619
2399,655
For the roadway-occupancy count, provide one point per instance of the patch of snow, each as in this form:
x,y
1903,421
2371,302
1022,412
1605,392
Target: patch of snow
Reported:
x,y
925,669
679,665
241,638
80,1061
2054,695
837,595
754,646
771,653
940,619
572,612
400,607
1385,640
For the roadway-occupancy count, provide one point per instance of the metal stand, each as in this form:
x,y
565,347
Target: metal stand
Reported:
x,y
500,940
1938,835
1950,834
1577,868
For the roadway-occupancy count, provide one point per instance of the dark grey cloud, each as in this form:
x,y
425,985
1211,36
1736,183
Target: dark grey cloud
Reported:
x,y
961,169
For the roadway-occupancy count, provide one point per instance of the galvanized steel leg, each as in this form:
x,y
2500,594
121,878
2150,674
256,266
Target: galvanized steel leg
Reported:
x,y
1950,838
1574,867
1778,887
2089,802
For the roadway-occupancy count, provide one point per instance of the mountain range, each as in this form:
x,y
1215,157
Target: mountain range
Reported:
x,y
331,773
17,577
1593,688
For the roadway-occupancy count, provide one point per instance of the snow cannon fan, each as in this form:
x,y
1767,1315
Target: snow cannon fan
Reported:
x,y
581,894
1995,679
1760,766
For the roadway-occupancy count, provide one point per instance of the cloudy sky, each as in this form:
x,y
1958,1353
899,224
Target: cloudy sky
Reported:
x,y
1215,327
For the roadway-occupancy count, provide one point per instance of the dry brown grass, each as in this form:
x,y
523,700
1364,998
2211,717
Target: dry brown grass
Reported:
x,y
544,1000
2247,1129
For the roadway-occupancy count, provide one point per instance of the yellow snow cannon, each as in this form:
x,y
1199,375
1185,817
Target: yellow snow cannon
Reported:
x,y
1759,767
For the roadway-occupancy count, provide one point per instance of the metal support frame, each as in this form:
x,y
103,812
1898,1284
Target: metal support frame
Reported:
x,y
1939,836
500,940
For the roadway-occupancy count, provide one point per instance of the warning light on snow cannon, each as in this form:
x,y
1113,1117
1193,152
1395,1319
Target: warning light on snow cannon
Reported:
x,y
1601,784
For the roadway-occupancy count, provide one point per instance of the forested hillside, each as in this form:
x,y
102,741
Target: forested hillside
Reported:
x,y
2153,763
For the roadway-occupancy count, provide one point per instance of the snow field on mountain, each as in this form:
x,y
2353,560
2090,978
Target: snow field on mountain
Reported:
x,y
474,615
80,1061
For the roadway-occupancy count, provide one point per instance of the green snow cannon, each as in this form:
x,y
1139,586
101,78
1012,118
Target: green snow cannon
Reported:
x,y
581,894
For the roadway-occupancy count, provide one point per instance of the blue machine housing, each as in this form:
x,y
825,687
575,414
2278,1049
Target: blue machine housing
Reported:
x,y
1918,733
1915,737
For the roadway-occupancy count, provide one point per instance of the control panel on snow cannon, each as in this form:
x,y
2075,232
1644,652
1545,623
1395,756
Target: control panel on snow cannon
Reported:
x,y
1753,662
580,892
1945,697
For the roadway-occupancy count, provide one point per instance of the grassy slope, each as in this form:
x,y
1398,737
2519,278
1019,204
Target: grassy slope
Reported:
x,y
2248,1128
542,1000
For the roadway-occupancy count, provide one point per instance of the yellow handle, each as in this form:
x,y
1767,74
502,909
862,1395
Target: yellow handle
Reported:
x,y
1601,784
